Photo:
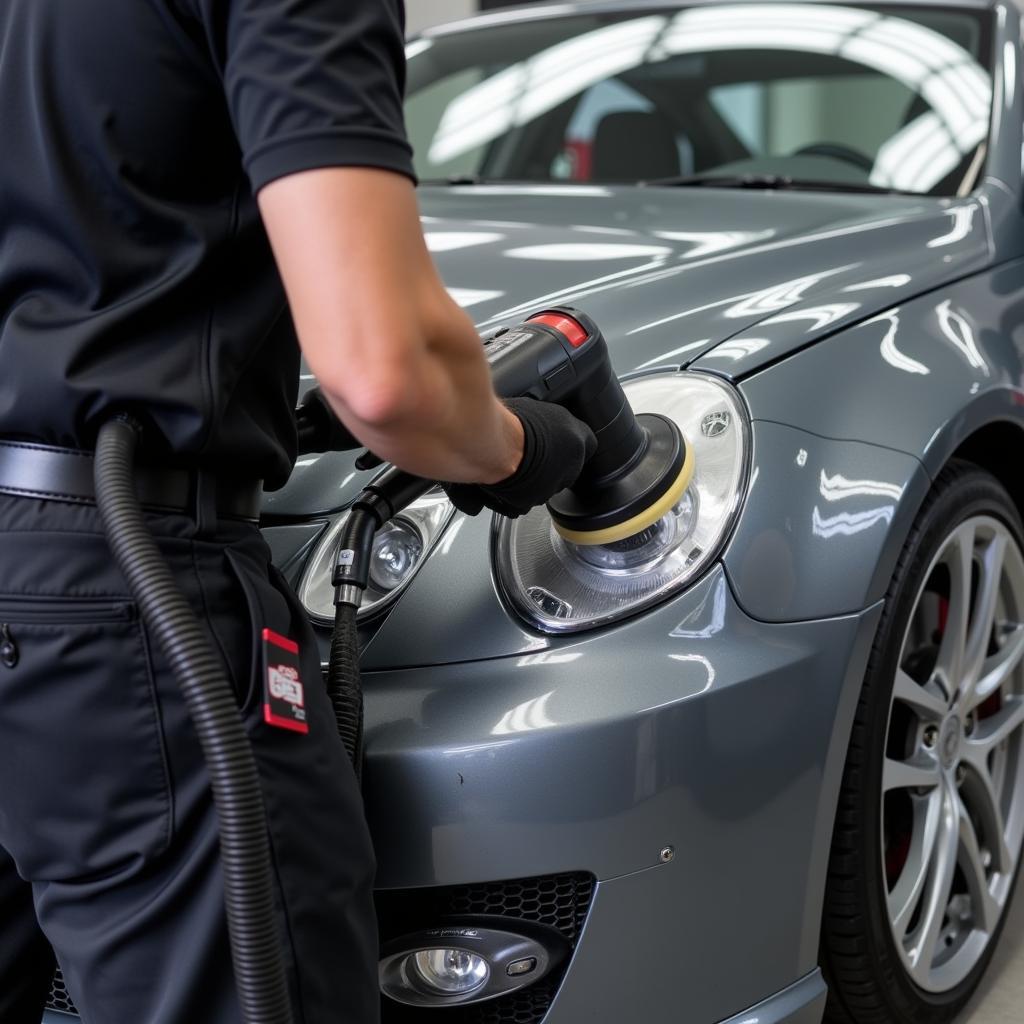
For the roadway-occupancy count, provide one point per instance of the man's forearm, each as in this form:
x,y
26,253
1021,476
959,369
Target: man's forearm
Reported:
x,y
400,363
448,425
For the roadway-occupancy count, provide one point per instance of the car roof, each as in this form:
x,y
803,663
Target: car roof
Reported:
x,y
527,12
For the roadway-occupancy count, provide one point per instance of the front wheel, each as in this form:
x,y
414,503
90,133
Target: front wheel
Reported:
x,y
930,819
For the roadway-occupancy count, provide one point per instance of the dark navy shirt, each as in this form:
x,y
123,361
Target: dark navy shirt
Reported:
x,y
134,268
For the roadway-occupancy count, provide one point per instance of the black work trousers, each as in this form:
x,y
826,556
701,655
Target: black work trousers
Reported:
x,y
108,836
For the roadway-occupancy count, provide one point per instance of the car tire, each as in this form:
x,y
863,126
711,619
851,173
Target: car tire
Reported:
x,y
887,961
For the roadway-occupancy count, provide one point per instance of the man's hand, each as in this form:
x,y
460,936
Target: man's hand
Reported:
x,y
557,445
401,365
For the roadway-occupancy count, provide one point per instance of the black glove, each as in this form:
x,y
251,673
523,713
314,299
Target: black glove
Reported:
x,y
555,447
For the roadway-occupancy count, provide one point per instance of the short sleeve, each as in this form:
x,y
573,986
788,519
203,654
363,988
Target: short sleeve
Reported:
x,y
311,83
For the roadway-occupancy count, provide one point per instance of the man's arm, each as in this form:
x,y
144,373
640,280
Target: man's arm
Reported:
x,y
398,360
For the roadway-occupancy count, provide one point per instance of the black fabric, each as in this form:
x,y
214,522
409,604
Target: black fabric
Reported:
x,y
635,145
134,268
555,447
106,809
26,959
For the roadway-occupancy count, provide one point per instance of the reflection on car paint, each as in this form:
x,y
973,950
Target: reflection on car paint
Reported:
x,y
892,355
838,488
583,252
707,242
963,217
892,281
446,543
689,629
528,716
737,348
846,524
445,241
693,659
779,296
466,297
956,328
817,316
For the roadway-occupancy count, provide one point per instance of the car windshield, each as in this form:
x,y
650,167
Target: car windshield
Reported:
x,y
879,97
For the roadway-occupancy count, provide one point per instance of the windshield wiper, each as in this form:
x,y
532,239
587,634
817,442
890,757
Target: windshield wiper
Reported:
x,y
768,182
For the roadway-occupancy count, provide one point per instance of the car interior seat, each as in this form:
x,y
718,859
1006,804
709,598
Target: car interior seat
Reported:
x,y
635,145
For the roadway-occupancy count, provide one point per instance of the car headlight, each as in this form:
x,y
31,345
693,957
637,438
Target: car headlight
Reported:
x,y
561,587
400,547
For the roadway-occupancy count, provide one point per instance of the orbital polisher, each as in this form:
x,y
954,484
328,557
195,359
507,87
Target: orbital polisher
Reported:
x,y
642,465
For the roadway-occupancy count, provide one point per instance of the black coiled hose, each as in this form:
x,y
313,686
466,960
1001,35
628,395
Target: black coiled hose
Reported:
x,y
390,492
244,848
344,685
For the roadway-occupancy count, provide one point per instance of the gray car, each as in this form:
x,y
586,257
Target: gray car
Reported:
x,y
764,762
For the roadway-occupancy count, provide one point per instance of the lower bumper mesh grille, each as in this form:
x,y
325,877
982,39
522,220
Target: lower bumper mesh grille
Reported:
x,y
59,998
560,901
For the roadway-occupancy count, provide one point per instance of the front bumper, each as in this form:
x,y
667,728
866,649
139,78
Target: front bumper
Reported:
x,y
693,729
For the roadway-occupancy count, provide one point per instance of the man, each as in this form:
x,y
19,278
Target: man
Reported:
x,y
151,148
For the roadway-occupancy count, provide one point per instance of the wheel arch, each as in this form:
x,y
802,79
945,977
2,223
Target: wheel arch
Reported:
x,y
997,447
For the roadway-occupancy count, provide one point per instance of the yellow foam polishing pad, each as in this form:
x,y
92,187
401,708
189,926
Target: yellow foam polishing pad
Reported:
x,y
638,523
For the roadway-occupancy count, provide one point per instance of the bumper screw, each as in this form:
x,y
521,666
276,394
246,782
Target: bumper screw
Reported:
x,y
667,853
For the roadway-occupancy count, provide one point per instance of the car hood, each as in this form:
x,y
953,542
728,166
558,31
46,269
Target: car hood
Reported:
x,y
714,279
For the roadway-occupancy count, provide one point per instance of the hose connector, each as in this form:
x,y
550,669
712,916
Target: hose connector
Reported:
x,y
389,493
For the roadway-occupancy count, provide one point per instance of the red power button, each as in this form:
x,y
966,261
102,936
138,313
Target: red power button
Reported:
x,y
574,331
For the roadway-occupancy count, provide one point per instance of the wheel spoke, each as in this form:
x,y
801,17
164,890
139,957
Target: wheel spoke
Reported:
x,y
906,894
979,638
937,890
914,774
998,669
922,701
994,825
979,790
950,661
986,909
990,732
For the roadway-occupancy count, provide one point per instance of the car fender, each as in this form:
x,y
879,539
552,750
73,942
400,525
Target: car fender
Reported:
x,y
850,433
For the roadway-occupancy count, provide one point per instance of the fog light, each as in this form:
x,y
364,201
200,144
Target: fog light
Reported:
x,y
450,971
469,960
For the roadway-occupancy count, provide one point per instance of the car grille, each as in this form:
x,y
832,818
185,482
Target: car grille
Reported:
x,y
561,901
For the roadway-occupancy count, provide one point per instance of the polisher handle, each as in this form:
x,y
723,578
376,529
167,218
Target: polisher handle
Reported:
x,y
559,355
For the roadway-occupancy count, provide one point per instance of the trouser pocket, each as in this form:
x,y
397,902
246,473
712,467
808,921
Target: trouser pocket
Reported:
x,y
85,786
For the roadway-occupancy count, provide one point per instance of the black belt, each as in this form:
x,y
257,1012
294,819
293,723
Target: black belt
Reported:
x,y
65,474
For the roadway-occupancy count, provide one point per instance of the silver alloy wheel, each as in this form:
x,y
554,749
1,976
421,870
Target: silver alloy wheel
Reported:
x,y
953,777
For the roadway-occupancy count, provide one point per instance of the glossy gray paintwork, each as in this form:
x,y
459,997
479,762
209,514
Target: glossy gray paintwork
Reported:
x,y
723,746
928,372
825,513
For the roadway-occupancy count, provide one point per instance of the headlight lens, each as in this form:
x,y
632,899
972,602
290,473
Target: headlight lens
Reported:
x,y
399,549
562,588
